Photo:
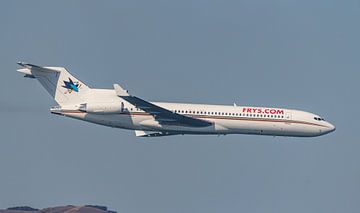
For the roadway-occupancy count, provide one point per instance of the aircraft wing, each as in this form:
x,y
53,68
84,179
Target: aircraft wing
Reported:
x,y
160,114
140,133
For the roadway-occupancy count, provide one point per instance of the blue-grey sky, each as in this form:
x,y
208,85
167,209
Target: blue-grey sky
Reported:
x,y
295,54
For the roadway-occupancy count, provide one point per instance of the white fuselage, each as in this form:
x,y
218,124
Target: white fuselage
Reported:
x,y
224,119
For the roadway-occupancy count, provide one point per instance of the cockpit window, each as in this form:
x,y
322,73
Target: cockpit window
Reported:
x,y
319,119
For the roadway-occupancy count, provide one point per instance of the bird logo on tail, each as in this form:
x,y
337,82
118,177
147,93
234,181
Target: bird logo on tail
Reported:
x,y
71,86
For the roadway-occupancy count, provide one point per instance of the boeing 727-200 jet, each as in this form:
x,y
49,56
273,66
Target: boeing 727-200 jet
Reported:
x,y
117,108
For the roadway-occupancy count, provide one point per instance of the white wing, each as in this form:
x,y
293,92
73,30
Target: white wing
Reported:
x,y
162,115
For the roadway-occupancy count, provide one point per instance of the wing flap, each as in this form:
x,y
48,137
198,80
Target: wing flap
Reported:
x,y
140,133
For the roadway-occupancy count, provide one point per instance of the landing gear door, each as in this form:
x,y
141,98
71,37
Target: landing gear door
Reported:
x,y
122,107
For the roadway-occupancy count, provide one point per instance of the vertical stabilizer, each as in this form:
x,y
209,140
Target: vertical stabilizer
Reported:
x,y
60,84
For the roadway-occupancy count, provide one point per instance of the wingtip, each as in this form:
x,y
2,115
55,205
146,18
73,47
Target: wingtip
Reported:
x,y
21,63
24,64
27,65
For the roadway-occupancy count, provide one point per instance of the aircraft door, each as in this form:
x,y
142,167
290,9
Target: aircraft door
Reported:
x,y
122,107
288,115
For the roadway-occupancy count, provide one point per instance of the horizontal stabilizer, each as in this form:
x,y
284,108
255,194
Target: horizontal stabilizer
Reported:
x,y
30,67
29,76
27,65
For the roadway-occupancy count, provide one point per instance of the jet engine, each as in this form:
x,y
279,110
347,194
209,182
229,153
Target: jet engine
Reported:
x,y
102,108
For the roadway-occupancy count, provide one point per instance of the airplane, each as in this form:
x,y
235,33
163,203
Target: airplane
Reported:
x,y
119,109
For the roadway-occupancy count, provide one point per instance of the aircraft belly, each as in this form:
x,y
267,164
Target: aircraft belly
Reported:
x,y
148,123
302,130
253,127
112,120
270,128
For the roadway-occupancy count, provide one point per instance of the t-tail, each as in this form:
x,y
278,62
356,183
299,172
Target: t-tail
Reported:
x,y
60,84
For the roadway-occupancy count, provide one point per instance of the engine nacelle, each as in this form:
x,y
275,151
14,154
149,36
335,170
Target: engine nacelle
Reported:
x,y
102,108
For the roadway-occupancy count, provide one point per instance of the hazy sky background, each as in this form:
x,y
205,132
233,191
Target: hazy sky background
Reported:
x,y
295,54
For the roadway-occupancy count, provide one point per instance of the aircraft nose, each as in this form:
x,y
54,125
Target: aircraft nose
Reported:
x,y
331,127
